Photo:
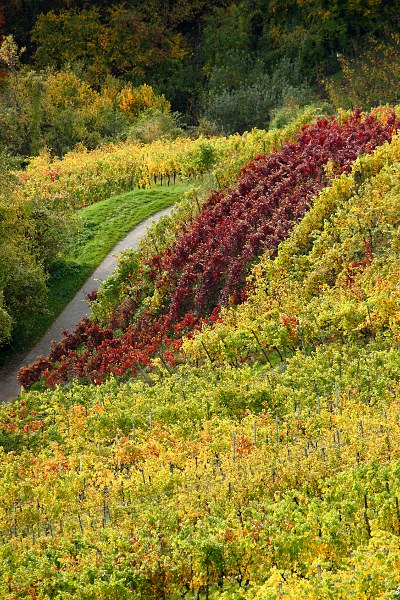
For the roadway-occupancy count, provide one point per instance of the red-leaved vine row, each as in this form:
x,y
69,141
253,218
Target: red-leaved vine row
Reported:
x,y
207,265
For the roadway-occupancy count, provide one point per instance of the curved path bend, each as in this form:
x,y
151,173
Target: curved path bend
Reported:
x,y
76,310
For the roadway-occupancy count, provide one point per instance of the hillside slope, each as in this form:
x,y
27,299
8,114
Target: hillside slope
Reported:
x,y
264,465
39,207
205,266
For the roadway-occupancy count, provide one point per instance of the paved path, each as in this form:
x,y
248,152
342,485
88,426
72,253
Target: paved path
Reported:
x,y
76,310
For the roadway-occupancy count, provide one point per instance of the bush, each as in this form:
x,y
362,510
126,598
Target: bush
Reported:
x,y
134,101
154,124
5,322
252,105
59,110
281,117
33,234
55,110
371,79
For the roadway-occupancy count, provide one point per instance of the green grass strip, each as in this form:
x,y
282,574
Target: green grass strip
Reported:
x,y
104,224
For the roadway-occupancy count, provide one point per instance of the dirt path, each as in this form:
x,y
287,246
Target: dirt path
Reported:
x,y
76,310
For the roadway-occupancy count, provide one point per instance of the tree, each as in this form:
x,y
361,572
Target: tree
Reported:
x,y
123,43
10,54
20,103
72,38
369,79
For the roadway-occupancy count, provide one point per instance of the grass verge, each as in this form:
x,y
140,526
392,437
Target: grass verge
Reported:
x,y
104,224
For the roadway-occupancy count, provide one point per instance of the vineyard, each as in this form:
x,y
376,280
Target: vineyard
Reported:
x,y
205,267
39,204
226,426
85,177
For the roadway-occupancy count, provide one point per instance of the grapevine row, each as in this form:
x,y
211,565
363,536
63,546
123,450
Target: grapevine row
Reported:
x,y
206,267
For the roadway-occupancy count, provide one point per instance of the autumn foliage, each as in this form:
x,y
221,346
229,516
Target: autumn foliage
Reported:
x,y
264,466
206,267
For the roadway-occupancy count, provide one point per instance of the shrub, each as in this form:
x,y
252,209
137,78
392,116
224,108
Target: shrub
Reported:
x,y
154,124
252,105
134,101
5,322
370,79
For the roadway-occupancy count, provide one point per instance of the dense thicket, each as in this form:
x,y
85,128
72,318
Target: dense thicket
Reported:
x,y
233,63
